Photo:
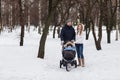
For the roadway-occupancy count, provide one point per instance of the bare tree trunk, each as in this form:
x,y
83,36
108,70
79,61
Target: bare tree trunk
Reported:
x,y
39,27
54,30
28,19
21,22
97,41
0,17
117,33
111,14
43,38
108,35
117,25
99,35
87,29
11,27
108,22
119,17
41,51
51,10
100,29
87,18
58,32
119,29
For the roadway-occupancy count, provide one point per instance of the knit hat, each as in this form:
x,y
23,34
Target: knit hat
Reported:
x,y
69,20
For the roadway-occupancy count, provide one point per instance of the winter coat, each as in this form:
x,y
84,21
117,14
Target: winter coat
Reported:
x,y
79,38
67,33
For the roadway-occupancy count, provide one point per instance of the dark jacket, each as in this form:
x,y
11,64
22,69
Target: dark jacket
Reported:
x,y
67,33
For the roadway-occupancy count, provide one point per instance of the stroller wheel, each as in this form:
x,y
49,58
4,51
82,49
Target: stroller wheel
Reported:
x,y
75,62
60,63
68,67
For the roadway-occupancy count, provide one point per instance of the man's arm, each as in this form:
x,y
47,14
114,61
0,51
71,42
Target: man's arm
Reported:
x,y
74,35
62,35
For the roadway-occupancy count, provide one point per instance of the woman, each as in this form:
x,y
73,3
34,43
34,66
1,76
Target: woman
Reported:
x,y
79,45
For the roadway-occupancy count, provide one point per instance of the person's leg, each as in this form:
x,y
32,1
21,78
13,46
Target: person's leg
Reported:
x,y
81,51
78,54
77,49
82,56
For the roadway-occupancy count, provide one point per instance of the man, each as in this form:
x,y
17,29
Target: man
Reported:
x,y
67,32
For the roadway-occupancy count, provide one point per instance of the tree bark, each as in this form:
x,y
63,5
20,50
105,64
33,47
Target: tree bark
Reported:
x,y
0,17
10,17
87,29
108,35
51,9
21,22
117,33
100,32
111,14
28,19
117,19
39,27
54,30
58,32
97,41
108,22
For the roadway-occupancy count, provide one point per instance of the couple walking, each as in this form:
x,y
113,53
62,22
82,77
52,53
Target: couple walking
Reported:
x,y
68,34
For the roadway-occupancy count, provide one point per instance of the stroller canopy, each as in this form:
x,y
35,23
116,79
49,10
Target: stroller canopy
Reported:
x,y
70,48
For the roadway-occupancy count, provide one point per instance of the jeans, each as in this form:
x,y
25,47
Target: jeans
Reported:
x,y
79,49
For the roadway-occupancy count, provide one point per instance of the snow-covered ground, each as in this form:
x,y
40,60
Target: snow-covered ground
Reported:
x,y
21,63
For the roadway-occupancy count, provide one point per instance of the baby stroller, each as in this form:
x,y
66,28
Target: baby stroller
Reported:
x,y
68,54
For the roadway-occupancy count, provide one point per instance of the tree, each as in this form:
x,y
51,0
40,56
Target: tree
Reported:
x,y
52,5
0,17
96,11
111,8
39,7
117,19
21,6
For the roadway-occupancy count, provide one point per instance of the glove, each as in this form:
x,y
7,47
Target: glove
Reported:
x,y
72,41
62,42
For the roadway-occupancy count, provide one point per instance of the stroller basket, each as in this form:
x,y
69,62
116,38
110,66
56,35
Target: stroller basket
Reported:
x,y
69,55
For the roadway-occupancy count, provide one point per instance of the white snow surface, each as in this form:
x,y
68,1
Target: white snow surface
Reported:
x,y
21,63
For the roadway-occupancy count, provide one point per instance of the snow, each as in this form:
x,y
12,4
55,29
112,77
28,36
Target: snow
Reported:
x,y
21,63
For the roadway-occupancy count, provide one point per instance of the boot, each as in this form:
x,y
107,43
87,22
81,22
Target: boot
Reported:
x,y
79,62
83,62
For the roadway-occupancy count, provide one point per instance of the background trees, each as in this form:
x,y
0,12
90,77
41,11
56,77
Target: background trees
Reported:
x,y
0,17
43,14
